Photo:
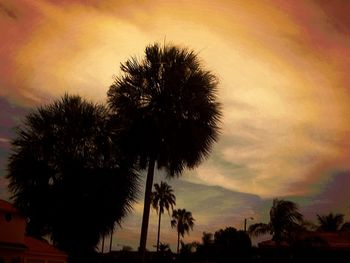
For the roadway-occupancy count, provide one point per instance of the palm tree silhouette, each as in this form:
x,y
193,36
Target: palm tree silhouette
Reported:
x,y
67,177
163,248
331,222
168,107
284,219
162,197
183,221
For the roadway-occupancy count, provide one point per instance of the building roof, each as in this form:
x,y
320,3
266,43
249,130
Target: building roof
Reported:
x,y
36,246
271,244
333,240
31,245
7,207
11,245
339,239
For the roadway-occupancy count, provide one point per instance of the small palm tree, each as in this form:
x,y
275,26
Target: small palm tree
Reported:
x,y
331,222
284,219
162,197
183,221
164,248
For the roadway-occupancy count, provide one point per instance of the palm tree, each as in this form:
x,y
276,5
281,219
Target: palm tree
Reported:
x,y
331,222
67,177
168,108
164,248
162,197
284,219
184,222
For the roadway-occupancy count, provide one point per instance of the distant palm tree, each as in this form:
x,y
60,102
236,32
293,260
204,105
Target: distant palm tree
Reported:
x,y
331,222
168,103
164,248
183,221
162,197
284,219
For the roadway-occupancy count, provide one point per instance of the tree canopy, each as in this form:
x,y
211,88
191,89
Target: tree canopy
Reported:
x,y
232,244
67,176
331,222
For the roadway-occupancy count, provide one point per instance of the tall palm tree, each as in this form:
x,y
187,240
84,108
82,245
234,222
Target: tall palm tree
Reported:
x,y
284,219
168,107
331,222
162,197
67,177
184,222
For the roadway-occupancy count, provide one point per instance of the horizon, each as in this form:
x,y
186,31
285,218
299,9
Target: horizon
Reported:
x,y
283,71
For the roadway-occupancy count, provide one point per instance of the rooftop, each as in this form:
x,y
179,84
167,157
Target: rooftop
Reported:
x,y
7,207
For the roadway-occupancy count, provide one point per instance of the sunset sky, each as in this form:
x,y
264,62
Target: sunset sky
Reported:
x,y
284,71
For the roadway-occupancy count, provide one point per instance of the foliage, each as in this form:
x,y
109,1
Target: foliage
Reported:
x,y
188,248
331,222
207,238
168,107
285,219
205,250
183,222
230,243
162,197
164,248
67,177
169,103
127,248
188,252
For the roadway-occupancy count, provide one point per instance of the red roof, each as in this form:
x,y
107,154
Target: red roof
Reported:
x,y
334,240
7,207
41,247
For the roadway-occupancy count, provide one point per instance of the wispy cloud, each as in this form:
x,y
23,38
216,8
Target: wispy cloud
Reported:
x,y
283,70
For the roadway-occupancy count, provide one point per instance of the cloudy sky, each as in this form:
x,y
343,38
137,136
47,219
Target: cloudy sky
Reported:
x,y
284,78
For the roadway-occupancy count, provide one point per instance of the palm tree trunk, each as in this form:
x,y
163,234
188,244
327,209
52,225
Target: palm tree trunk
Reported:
x,y
146,208
110,242
160,215
103,243
178,242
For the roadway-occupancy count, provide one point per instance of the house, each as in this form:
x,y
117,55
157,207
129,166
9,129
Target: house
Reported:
x,y
308,246
339,240
15,247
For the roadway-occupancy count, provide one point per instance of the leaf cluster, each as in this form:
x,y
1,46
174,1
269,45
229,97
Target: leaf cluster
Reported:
x,y
168,103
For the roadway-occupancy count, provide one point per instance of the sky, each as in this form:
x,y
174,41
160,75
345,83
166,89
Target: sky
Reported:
x,y
283,77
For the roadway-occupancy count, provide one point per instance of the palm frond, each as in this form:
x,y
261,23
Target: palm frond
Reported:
x,y
165,99
330,222
259,229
